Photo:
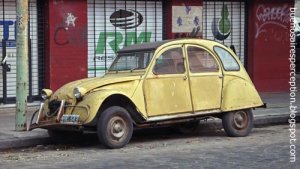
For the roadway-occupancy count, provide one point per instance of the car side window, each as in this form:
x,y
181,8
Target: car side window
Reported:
x,y
170,62
201,61
228,61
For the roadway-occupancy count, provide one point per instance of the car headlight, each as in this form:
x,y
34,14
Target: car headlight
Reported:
x,y
46,94
78,92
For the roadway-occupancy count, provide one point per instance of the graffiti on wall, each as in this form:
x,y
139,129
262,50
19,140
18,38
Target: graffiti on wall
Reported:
x,y
66,33
56,2
271,21
70,20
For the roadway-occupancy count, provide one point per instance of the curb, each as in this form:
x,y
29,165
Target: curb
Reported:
x,y
24,142
259,121
270,120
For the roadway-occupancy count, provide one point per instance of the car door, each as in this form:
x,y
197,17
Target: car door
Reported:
x,y
206,79
166,86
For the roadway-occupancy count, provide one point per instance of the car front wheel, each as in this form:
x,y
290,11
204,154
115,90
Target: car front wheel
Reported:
x,y
115,127
238,123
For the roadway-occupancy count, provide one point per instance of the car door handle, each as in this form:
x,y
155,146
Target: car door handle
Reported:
x,y
184,77
221,76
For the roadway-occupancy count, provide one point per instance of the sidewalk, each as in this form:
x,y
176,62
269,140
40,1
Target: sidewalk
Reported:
x,y
277,112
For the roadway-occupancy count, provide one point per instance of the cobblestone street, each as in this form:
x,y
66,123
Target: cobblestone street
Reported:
x,y
266,147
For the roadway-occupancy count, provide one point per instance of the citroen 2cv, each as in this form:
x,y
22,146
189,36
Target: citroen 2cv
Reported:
x,y
159,83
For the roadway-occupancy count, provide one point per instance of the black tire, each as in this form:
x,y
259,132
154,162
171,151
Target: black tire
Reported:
x,y
238,123
115,127
60,136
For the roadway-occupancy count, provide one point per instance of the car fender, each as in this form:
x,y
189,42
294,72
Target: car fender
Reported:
x,y
92,103
239,94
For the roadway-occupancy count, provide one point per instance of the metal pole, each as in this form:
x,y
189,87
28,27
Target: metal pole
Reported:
x,y
4,65
22,64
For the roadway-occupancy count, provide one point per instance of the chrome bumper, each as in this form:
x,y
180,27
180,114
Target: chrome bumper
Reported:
x,y
55,123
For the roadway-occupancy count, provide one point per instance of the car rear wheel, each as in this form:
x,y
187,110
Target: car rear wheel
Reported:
x,y
238,123
115,127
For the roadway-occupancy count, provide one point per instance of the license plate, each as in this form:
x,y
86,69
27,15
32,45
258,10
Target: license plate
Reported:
x,y
70,118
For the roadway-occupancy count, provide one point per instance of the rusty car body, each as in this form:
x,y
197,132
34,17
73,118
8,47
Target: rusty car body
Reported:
x,y
159,83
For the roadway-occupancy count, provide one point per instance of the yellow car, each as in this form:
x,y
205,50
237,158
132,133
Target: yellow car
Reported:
x,y
153,84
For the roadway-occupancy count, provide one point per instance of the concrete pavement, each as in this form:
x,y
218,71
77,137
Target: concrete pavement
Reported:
x,y
277,112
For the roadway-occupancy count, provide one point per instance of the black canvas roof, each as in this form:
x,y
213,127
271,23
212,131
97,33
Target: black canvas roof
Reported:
x,y
143,47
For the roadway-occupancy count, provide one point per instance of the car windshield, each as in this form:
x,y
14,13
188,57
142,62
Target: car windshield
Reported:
x,y
131,61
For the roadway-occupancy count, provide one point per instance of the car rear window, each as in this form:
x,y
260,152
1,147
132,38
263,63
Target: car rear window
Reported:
x,y
131,61
228,61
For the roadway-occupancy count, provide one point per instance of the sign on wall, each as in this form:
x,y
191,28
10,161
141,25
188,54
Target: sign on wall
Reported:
x,y
186,18
115,24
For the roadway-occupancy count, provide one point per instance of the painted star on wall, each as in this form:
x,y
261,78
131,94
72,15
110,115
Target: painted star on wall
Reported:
x,y
71,19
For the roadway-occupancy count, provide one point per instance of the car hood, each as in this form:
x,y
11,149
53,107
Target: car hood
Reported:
x,y
88,84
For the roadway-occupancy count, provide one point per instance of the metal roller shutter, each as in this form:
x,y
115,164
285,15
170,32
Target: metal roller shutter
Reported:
x,y
114,24
224,21
8,37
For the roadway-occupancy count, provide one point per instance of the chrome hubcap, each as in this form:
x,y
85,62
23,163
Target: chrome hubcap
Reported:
x,y
240,119
117,127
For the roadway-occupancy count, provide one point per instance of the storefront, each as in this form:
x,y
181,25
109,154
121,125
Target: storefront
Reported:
x,y
79,38
146,24
269,44
8,49
115,24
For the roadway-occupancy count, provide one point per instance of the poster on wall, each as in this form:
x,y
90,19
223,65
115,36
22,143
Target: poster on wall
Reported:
x,y
225,23
185,19
111,26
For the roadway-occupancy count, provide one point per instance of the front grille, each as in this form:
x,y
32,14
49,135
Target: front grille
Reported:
x,y
53,107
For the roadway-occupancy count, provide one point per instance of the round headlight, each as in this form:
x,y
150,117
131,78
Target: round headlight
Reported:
x,y
77,93
46,94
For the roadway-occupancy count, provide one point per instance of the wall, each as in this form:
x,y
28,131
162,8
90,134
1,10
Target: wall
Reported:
x,y
268,42
268,48
66,58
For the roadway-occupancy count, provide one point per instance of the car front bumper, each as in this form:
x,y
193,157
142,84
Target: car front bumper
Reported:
x,y
57,122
